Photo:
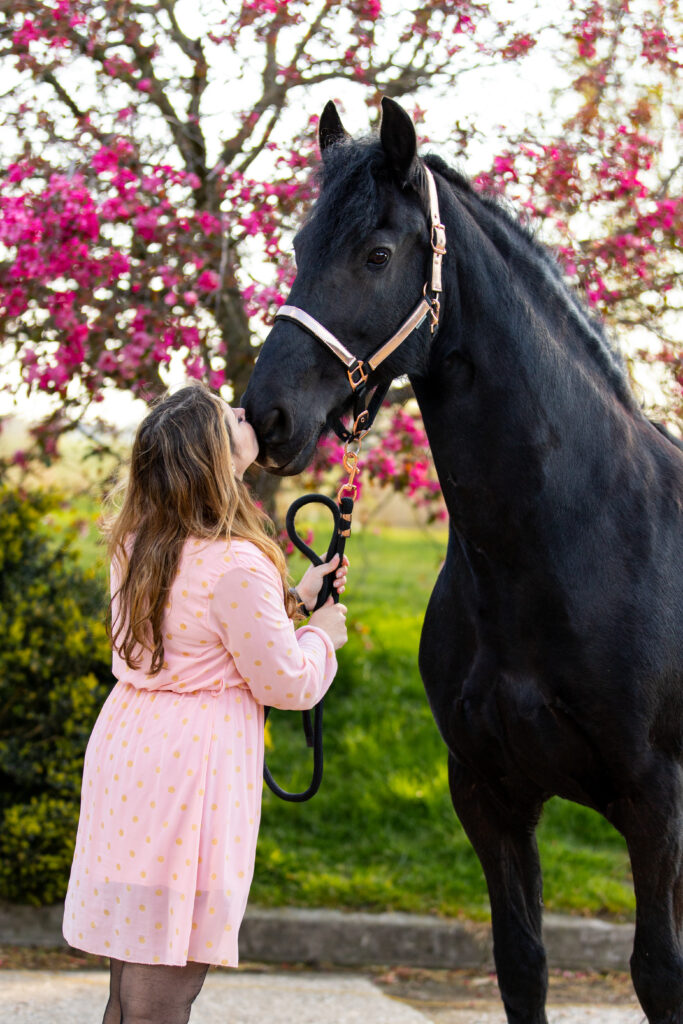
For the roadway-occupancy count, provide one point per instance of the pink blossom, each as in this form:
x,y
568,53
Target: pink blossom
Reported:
x,y
208,281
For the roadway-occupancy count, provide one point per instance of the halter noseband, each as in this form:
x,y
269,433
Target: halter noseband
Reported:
x,y
358,370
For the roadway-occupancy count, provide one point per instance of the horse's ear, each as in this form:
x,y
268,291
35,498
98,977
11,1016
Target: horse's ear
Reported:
x,y
330,129
399,141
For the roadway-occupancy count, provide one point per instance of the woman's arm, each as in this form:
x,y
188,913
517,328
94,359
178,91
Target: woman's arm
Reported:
x,y
283,667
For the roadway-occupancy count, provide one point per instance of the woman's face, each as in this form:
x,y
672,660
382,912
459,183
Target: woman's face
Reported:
x,y
245,445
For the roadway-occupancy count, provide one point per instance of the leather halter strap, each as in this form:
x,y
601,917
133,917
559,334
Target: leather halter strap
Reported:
x,y
358,370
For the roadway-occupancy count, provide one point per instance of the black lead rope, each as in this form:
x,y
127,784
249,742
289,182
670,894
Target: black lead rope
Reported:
x,y
313,731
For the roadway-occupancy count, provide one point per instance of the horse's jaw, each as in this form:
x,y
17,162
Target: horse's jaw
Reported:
x,y
284,465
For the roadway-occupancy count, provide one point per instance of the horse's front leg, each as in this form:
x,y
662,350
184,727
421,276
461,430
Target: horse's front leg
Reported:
x,y
653,826
502,835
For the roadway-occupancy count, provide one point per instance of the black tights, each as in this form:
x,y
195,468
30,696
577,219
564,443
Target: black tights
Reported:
x,y
152,993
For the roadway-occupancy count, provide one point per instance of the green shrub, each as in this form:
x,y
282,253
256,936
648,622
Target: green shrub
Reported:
x,y
55,671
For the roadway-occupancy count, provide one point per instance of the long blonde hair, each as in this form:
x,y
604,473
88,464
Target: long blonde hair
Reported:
x,y
181,484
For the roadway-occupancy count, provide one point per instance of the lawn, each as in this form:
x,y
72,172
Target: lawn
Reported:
x,y
381,833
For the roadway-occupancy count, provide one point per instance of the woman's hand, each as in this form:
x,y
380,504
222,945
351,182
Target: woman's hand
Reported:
x,y
332,619
312,580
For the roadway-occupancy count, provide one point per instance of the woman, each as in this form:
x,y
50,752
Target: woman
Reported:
x,y
203,636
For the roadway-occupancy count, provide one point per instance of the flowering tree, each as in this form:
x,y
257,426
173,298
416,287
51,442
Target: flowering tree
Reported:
x,y
162,158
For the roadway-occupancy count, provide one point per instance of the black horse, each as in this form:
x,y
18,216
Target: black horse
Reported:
x,y
552,647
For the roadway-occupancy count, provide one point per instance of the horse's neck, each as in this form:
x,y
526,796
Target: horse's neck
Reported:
x,y
521,418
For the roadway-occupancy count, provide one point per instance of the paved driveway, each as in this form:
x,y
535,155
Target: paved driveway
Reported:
x,y
45,997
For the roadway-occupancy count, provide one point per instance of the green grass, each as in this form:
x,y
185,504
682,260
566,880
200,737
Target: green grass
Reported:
x,y
381,833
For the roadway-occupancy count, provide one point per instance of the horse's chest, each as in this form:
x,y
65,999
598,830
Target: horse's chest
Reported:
x,y
506,728
509,724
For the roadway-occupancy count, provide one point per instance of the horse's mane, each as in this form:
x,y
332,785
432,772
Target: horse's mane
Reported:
x,y
351,204
540,261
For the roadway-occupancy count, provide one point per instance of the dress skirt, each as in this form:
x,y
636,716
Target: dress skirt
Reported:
x,y
170,809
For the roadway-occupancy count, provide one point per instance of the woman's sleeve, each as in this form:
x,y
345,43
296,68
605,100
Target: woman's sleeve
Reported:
x,y
282,666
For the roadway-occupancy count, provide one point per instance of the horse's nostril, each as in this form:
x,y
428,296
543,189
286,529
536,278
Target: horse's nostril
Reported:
x,y
276,426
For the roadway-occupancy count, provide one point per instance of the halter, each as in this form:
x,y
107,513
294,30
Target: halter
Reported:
x,y
358,370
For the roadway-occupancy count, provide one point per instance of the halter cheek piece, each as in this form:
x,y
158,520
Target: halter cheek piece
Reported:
x,y
358,370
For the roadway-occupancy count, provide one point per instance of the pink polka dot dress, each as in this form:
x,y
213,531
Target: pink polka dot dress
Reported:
x,y
172,780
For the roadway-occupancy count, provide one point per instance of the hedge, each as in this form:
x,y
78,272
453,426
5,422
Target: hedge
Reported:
x,y
55,672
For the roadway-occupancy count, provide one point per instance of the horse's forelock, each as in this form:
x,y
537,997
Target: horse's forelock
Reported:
x,y
352,179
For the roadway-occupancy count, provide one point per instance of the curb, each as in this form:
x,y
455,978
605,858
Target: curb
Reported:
x,y
333,937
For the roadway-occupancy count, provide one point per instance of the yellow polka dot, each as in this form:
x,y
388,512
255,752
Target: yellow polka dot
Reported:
x,y
142,907
183,626
247,636
244,583
179,841
176,753
269,644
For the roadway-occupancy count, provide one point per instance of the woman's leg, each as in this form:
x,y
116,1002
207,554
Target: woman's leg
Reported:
x,y
112,1013
158,993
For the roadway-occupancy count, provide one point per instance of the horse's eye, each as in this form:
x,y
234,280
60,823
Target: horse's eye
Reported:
x,y
378,257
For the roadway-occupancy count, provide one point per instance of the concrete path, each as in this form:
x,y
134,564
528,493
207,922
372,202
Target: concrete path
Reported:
x,y
45,997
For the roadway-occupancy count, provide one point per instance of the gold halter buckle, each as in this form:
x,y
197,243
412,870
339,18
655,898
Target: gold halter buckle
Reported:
x,y
357,376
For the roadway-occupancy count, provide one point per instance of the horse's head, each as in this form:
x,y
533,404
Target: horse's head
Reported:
x,y
363,257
